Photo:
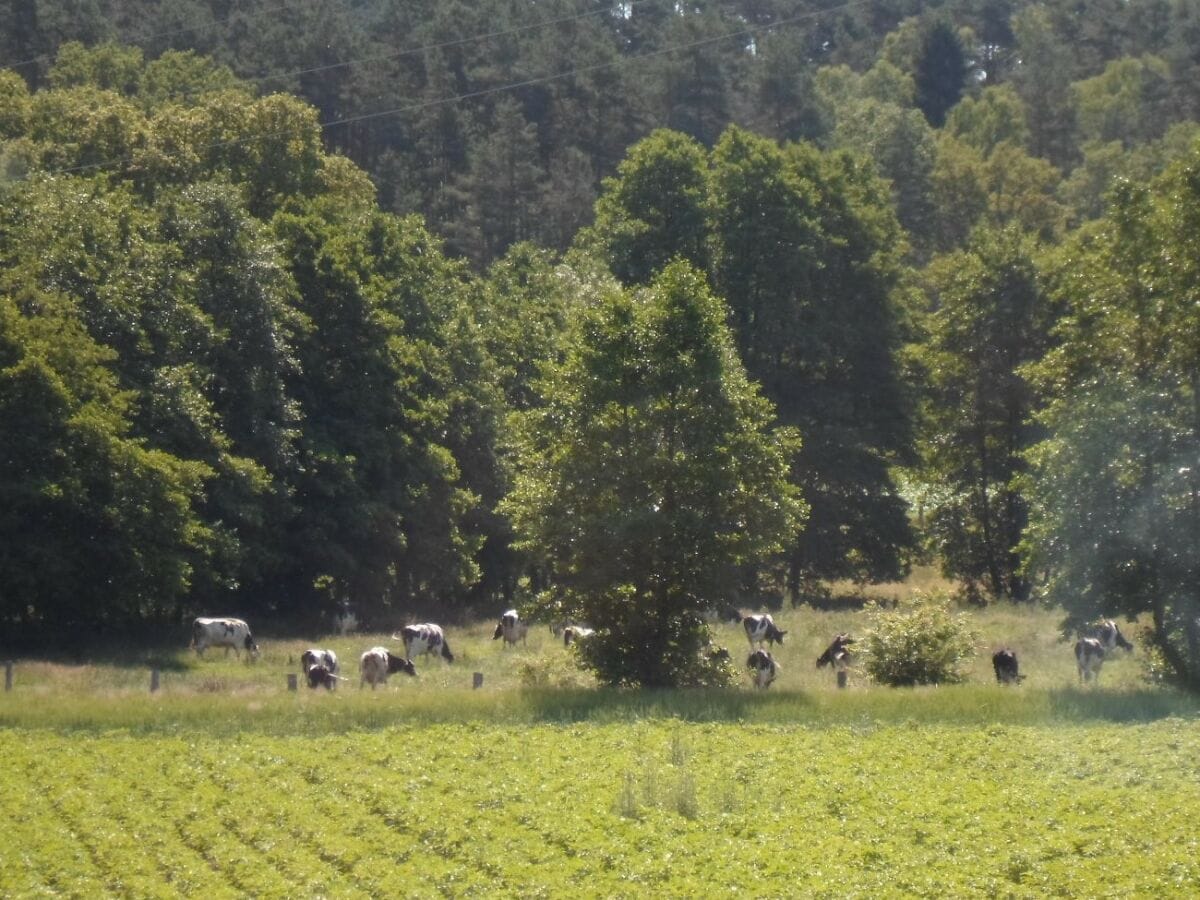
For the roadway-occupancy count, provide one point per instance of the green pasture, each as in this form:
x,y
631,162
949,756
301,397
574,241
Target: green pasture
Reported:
x,y
539,784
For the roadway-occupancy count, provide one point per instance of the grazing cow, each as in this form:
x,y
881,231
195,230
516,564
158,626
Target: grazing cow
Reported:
x,y
575,633
227,633
320,668
1109,635
377,664
345,621
511,628
1089,657
762,667
761,629
427,638
836,655
1004,664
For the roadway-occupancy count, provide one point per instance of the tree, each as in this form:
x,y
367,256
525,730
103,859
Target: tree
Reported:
x,y
941,71
990,318
653,210
1123,428
649,477
806,254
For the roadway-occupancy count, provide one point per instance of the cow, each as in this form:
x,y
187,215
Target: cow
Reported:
x,y
223,632
730,615
763,668
511,628
1089,657
1109,635
1004,664
761,629
345,621
427,638
320,668
575,633
377,664
836,656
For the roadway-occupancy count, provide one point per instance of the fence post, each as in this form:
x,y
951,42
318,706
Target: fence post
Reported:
x,y
842,678
291,681
153,680
477,680
8,666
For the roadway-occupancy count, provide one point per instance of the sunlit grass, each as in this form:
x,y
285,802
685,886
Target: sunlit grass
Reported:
x,y
538,682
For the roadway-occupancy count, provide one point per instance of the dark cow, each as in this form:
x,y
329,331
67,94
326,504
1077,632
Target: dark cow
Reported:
x,y
320,668
511,628
730,615
377,664
223,632
763,668
761,629
1089,657
574,633
836,655
1004,664
1109,635
427,638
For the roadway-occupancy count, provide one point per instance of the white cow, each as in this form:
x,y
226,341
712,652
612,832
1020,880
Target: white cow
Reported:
x,y
574,633
225,633
511,628
427,638
1089,657
763,668
377,664
320,668
761,629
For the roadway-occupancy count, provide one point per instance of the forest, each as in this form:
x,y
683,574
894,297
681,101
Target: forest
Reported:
x,y
614,310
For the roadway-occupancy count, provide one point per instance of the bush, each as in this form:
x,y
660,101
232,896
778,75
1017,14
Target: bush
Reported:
x,y
922,642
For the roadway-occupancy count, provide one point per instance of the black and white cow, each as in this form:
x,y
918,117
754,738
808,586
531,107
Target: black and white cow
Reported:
x,y
761,629
223,632
836,655
1089,657
320,668
1109,635
763,668
377,664
574,633
511,628
1004,664
427,638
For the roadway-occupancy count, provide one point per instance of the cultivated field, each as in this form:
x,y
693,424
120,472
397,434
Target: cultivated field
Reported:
x,y
225,784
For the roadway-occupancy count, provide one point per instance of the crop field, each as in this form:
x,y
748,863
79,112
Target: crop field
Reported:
x,y
225,784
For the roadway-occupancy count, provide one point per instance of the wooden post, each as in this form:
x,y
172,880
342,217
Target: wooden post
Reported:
x,y
842,678
153,680
477,680
291,681
8,675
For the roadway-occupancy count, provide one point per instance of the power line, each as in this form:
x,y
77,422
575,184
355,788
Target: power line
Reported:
x,y
483,92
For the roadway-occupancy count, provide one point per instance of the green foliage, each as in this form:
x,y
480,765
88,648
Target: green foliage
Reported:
x,y
1121,415
649,476
990,318
925,642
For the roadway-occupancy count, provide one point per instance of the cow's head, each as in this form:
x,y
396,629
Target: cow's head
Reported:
x,y
400,664
251,647
499,631
834,650
446,654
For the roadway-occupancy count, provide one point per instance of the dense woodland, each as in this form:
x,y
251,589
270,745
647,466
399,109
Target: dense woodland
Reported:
x,y
618,311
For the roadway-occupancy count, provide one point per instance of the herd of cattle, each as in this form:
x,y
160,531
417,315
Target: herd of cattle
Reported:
x,y
321,669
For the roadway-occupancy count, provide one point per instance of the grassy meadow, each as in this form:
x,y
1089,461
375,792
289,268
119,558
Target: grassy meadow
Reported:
x,y
225,784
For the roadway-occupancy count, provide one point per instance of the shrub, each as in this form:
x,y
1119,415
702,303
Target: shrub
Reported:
x,y
922,642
